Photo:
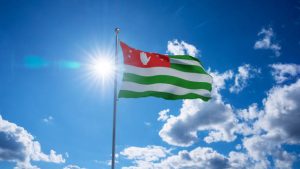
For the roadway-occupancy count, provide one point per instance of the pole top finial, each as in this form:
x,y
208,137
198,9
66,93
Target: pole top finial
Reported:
x,y
117,30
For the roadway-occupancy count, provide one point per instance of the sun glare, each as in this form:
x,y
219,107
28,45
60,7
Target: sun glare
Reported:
x,y
103,67
100,69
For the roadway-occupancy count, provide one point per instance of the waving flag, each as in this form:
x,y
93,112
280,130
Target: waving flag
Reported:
x,y
168,77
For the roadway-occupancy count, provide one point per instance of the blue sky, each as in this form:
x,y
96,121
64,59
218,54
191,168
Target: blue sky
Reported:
x,y
54,114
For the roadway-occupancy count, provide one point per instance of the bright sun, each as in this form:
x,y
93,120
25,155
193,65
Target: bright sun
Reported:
x,y
103,67
99,68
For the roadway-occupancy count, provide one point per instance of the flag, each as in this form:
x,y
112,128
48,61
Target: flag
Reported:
x,y
164,76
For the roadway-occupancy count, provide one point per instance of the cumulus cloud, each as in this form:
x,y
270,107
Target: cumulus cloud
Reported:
x,y
264,131
261,147
245,72
149,153
263,128
268,41
239,160
176,47
251,113
208,158
282,113
214,116
198,158
247,119
278,122
19,146
163,115
283,72
73,167
219,79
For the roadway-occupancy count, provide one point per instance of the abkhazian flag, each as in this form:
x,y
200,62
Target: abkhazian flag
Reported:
x,y
165,76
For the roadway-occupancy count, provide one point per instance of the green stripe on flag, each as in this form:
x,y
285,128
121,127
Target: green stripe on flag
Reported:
x,y
186,57
168,96
188,68
166,79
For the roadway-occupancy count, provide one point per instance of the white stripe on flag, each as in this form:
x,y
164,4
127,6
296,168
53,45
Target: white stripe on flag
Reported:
x,y
185,62
162,87
154,71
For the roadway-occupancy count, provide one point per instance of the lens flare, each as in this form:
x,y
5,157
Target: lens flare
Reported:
x,y
100,70
102,67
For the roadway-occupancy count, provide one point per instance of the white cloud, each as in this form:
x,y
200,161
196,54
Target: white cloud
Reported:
x,y
48,119
108,162
19,146
144,157
163,115
249,114
176,47
284,160
195,159
267,42
219,79
247,120
279,124
208,158
282,113
214,116
149,153
283,72
238,160
198,158
265,132
245,72
261,147
219,82
73,167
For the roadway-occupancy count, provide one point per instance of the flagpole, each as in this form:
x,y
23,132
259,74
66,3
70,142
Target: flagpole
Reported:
x,y
117,30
